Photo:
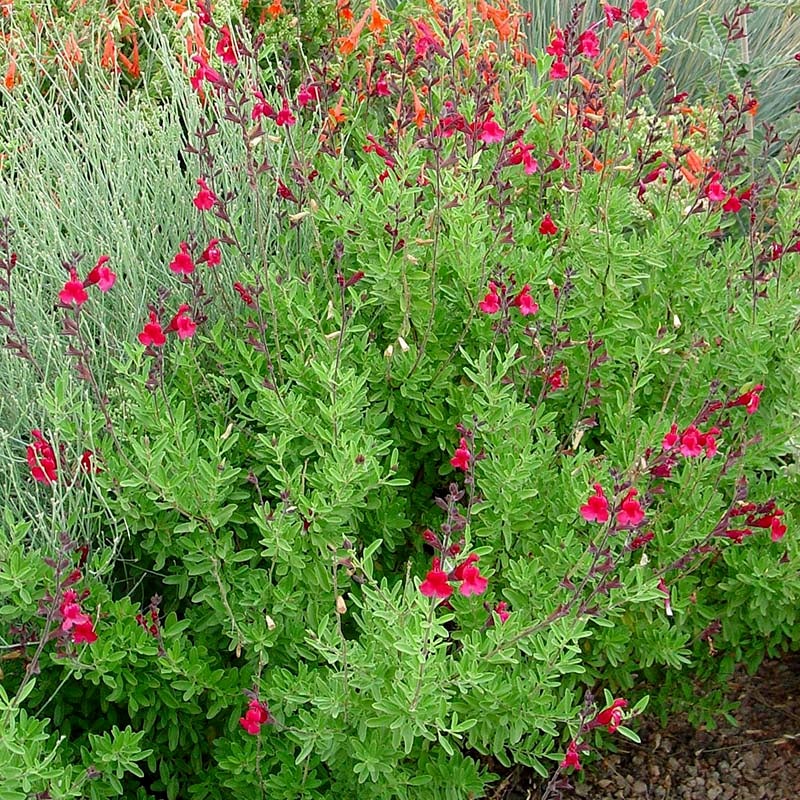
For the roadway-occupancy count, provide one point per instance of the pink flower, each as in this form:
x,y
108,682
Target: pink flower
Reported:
x,y
382,86
596,507
501,609
558,71
182,264
691,446
73,292
257,714
224,48
671,439
612,716
70,609
639,9
470,576
589,44
435,583
613,14
547,227
491,132
101,275
182,324
205,199
41,459
525,303
461,459
212,255
715,191
306,94
285,116
572,757
491,302
630,513
152,335
664,589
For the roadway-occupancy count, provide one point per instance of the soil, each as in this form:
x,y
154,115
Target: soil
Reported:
x,y
758,760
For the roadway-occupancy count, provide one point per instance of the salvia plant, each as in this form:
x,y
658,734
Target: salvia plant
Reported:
x,y
455,425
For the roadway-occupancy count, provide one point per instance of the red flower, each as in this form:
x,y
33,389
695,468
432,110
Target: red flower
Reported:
x,y
613,14
461,459
182,264
247,298
491,302
777,529
521,154
572,757
257,714
732,204
630,513
589,44
285,116
261,108
749,399
612,716
182,324
558,71
547,226
641,540
84,632
470,576
557,46
204,73
212,255
639,9
151,334
205,199
501,609
87,463
101,275
73,292
435,583
596,507
524,302
41,459
491,132
382,86
224,48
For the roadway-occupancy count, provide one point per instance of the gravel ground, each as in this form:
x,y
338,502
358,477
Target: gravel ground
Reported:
x,y
759,760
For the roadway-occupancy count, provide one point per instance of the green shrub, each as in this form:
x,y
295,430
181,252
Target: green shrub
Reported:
x,y
487,408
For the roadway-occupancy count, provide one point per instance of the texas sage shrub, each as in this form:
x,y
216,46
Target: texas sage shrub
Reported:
x,y
487,439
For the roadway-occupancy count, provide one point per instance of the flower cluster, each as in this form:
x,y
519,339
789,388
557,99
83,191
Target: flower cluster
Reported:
x,y
74,292
257,714
692,442
42,459
765,516
493,302
437,582
629,514
610,718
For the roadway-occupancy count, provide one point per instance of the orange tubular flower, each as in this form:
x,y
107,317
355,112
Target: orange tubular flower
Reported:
x,y
377,22
11,78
